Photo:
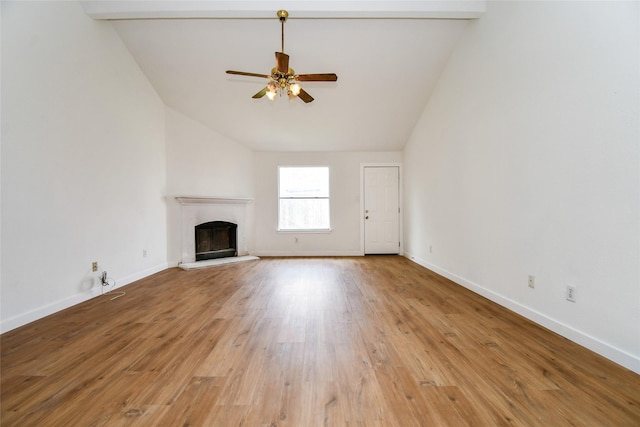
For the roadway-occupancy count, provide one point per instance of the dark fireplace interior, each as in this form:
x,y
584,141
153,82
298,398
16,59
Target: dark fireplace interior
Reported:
x,y
216,239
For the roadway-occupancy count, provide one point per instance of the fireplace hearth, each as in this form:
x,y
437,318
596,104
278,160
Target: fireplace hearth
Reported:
x,y
216,239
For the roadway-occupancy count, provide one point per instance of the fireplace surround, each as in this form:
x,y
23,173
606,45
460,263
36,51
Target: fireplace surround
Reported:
x,y
196,210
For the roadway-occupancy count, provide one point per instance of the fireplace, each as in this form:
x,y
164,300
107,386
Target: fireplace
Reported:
x,y
198,210
216,239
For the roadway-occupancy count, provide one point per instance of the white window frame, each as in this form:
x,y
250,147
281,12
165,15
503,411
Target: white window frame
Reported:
x,y
328,198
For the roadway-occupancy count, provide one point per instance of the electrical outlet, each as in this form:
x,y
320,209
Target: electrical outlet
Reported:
x,y
94,266
144,253
571,293
532,281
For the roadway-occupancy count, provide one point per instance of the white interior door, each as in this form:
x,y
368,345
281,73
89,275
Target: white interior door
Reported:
x,y
381,210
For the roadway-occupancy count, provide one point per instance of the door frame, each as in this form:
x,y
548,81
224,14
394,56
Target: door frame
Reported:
x,y
400,202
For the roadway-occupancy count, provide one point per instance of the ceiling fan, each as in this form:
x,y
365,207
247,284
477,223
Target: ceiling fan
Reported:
x,y
283,78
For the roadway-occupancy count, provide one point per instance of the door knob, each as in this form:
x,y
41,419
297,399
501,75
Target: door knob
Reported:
x,y
366,217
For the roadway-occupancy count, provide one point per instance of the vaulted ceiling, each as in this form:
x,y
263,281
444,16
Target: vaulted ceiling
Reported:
x,y
388,57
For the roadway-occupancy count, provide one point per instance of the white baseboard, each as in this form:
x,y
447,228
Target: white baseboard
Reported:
x,y
596,345
308,253
46,310
141,274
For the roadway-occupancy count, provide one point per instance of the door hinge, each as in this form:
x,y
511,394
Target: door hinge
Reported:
x,y
398,244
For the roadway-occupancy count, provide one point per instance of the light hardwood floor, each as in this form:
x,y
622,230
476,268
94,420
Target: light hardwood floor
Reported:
x,y
363,341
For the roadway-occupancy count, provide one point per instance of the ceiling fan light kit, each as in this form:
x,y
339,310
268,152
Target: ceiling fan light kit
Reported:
x,y
284,79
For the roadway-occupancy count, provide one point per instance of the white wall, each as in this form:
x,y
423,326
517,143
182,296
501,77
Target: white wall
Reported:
x,y
344,176
526,161
201,162
83,161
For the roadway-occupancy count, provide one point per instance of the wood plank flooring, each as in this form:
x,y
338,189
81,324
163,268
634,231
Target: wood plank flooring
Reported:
x,y
363,341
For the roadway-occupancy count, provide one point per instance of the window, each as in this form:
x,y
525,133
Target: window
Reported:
x,y
303,198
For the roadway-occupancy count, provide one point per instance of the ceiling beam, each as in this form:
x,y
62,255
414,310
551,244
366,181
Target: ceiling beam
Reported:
x,y
318,9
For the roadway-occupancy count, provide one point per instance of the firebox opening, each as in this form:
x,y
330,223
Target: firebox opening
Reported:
x,y
216,239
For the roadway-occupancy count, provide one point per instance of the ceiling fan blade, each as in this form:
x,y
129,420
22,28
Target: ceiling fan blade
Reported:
x,y
328,77
242,73
261,93
305,96
282,62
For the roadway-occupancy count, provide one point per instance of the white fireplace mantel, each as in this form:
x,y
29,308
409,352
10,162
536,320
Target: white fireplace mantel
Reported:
x,y
200,209
199,200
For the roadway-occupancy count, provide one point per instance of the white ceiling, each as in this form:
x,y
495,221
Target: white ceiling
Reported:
x,y
387,66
